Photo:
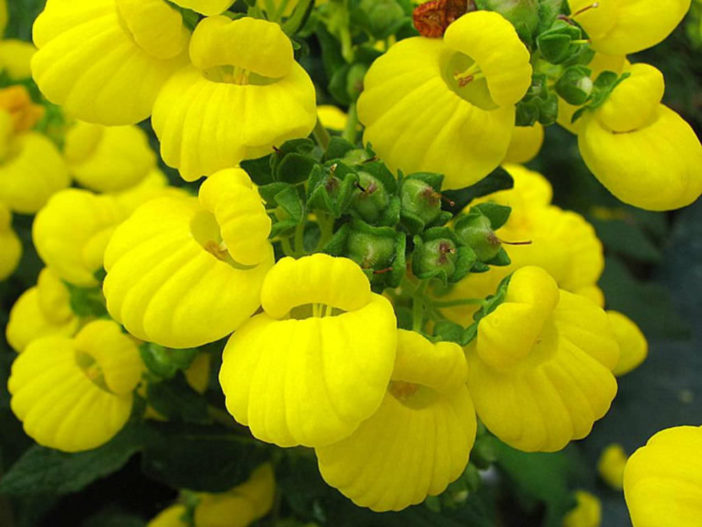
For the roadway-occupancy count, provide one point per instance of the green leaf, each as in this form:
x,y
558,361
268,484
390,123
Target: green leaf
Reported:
x,y
497,214
290,201
297,20
176,400
46,471
201,458
498,179
294,168
165,362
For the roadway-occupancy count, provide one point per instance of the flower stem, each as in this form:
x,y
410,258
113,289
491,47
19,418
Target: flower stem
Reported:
x,y
351,125
321,135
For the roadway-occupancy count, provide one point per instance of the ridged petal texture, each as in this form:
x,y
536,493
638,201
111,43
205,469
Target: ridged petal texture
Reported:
x,y
621,27
263,111
104,61
311,380
205,7
108,158
492,42
165,286
15,56
663,480
71,232
632,343
76,394
31,170
562,242
540,368
656,167
420,438
241,215
416,122
9,241
242,505
41,311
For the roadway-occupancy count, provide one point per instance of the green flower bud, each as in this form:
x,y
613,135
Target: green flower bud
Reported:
x,y
477,233
433,256
556,43
384,16
575,85
370,251
419,199
370,198
165,362
354,80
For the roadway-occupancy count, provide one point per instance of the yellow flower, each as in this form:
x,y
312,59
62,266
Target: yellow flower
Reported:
x,y
632,343
105,61
11,251
663,480
239,507
526,143
611,464
154,185
177,277
621,27
332,117
15,56
447,105
76,394
41,311
562,243
71,232
108,158
242,505
205,7
540,368
316,363
31,170
587,512
420,438
595,294
243,68
643,152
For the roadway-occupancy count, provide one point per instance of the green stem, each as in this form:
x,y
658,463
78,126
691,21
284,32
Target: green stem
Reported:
x,y
300,240
321,135
287,247
326,229
461,302
351,125
221,417
418,306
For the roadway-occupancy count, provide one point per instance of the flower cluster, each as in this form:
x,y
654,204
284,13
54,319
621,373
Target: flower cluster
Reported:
x,y
387,301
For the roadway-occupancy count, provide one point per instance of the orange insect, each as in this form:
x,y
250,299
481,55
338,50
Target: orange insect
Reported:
x,y
432,18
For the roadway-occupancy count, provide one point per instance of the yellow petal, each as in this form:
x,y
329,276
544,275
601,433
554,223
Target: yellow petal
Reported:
x,y
611,465
332,117
417,442
205,7
15,56
54,298
165,286
31,173
108,159
632,343
9,241
198,373
173,516
587,512
655,167
155,26
526,143
663,480
71,232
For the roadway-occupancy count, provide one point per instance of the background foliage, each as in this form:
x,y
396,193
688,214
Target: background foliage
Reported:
x,y
653,274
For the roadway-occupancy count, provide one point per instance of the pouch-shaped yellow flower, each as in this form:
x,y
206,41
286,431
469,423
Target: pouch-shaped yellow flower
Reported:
x,y
526,143
447,105
108,158
332,117
31,170
177,277
76,394
71,232
663,480
41,311
10,245
243,69
587,511
632,343
540,368
420,438
154,185
105,61
611,465
15,57
621,27
205,7
317,361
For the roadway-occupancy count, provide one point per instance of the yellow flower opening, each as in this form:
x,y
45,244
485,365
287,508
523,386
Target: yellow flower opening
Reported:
x,y
104,61
663,480
76,394
540,368
420,438
243,68
41,311
196,289
108,158
447,106
317,361
621,27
